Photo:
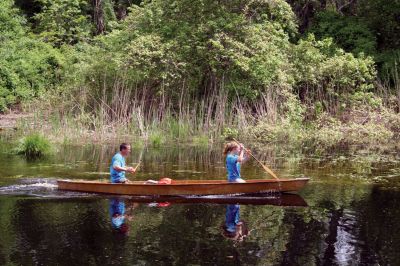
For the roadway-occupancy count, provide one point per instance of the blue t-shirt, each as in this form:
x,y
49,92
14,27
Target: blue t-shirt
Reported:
x,y
117,176
233,167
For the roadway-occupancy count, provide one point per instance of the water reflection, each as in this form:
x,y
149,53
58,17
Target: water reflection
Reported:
x,y
234,228
347,221
288,200
121,209
121,214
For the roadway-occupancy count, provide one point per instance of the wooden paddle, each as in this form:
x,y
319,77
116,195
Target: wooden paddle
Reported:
x,y
269,171
137,166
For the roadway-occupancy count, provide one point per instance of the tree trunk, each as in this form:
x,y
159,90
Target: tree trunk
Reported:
x,y
98,16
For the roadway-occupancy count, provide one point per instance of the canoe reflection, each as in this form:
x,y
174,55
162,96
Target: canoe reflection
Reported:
x,y
258,199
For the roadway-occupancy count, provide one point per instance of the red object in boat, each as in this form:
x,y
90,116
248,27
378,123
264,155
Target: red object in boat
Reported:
x,y
163,204
165,181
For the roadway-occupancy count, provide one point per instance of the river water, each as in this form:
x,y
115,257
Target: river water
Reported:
x,y
349,213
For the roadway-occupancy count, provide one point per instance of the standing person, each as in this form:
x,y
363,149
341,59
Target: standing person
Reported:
x,y
234,228
118,166
234,157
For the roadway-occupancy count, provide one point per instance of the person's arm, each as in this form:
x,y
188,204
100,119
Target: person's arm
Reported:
x,y
246,155
117,167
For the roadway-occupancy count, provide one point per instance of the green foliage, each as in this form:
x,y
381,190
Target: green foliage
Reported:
x,y
11,23
350,33
28,67
211,62
33,146
63,21
383,17
280,132
166,42
327,74
230,133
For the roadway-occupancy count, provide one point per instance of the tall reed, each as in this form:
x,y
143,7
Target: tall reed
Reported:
x,y
124,109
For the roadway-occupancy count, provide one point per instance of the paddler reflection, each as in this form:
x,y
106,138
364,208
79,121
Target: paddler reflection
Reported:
x,y
234,228
121,214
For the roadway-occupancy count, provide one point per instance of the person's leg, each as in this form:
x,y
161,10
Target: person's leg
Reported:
x,y
123,181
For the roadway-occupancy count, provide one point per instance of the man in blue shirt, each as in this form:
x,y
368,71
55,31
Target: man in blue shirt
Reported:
x,y
118,166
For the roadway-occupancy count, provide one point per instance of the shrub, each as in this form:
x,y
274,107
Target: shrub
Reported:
x,y
367,134
33,146
282,131
229,133
327,131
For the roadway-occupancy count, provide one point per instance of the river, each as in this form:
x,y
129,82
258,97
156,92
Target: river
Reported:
x,y
348,214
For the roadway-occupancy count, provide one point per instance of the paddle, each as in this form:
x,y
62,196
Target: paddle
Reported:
x,y
137,166
269,171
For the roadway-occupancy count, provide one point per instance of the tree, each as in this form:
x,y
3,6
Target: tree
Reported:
x,y
63,21
28,66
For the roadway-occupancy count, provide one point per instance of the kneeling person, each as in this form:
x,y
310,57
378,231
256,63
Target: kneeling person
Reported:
x,y
118,166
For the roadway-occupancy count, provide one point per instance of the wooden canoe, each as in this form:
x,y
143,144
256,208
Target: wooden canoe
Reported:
x,y
186,187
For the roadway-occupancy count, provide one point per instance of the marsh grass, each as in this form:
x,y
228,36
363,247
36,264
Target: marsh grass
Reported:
x,y
156,139
133,113
201,140
33,146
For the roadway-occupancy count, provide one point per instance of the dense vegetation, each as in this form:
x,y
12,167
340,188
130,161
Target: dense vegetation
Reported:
x,y
33,146
324,71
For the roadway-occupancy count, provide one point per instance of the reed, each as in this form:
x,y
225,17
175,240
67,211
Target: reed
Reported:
x,y
132,110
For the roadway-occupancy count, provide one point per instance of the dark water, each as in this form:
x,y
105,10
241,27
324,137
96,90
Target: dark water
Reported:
x,y
349,214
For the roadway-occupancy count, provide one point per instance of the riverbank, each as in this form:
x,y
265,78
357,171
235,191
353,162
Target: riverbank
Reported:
x,y
378,127
10,120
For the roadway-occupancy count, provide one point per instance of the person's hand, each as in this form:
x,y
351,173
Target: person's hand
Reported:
x,y
130,170
247,151
241,146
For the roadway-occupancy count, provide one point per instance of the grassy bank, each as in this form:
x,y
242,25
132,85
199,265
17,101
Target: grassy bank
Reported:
x,y
212,121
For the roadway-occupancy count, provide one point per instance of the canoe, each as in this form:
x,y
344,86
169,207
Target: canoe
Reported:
x,y
186,187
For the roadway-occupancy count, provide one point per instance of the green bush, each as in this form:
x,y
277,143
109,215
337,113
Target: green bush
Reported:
x,y
28,67
33,146
229,133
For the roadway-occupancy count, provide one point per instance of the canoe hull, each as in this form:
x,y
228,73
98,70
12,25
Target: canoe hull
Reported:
x,y
198,187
